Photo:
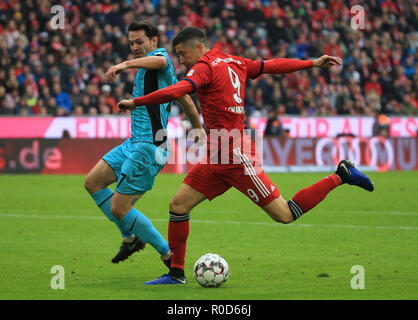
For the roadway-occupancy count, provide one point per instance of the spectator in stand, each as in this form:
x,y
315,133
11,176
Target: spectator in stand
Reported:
x,y
75,96
62,98
373,84
332,46
409,66
408,105
224,45
274,126
85,103
78,110
51,106
31,100
11,100
190,18
381,126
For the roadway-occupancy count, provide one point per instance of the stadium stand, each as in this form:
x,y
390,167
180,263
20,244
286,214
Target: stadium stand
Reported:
x,y
61,72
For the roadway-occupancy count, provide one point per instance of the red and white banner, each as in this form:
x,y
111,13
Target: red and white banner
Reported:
x,y
114,127
78,156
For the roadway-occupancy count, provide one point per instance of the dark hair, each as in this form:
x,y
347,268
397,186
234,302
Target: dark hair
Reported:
x,y
190,34
150,29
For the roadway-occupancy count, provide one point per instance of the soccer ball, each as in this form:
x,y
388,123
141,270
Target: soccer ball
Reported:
x,y
211,270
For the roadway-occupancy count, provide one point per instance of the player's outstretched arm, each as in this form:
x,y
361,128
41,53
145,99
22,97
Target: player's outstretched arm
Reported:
x,y
150,62
283,65
167,94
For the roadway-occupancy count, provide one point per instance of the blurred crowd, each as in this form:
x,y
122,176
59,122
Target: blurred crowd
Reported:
x,y
62,72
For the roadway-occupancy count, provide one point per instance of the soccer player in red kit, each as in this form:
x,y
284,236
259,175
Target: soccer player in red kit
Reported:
x,y
219,81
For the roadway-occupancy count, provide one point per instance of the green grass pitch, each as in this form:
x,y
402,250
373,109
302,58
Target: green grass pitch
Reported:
x,y
51,220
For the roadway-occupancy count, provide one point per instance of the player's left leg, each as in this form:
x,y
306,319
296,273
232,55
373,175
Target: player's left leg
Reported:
x,y
251,180
307,198
263,192
304,200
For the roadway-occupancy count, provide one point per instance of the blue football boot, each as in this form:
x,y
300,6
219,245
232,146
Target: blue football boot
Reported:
x,y
349,174
167,279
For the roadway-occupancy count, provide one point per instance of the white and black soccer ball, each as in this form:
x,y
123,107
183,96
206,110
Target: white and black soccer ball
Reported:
x,y
211,270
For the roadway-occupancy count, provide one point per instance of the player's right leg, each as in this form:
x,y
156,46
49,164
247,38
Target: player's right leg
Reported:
x,y
182,203
96,184
201,183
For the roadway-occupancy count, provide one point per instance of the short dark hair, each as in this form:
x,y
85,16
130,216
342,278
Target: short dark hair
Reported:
x,y
149,29
190,34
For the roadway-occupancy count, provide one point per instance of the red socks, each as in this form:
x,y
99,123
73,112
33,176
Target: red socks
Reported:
x,y
178,232
309,197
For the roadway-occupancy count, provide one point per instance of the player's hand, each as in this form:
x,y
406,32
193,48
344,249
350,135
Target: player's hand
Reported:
x,y
327,61
114,70
199,136
125,105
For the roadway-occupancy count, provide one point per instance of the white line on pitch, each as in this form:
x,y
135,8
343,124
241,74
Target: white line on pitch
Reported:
x,y
363,212
36,216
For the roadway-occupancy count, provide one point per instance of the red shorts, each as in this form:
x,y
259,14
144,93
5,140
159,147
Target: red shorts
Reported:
x,y
214,179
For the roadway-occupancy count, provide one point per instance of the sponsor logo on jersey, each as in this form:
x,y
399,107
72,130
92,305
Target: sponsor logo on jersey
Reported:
x,y
235,109
226,60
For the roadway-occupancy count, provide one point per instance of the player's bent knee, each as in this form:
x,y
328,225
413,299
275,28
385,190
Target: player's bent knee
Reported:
x,y
89,186
285,219
173,206
280,218
279,211
177,206
92,186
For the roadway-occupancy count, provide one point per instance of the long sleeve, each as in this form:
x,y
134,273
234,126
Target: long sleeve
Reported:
x,y
281,65
276,66
167,94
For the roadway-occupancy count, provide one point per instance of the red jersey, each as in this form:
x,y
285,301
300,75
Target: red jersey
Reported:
x,y
219,81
